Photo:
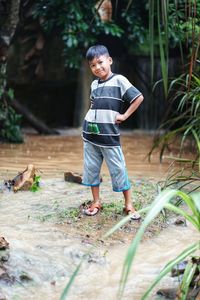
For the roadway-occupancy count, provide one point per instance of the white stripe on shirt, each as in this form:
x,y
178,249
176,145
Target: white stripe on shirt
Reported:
x,y
101,116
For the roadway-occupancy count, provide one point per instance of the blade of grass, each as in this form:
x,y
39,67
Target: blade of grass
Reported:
x,y
163,59
195,198
71,280
188,200
157,205
187,279
151,37
155,209
188,251
181,212
124,221
198,145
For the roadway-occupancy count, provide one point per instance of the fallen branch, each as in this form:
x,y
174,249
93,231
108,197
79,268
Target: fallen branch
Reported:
x,y
36,123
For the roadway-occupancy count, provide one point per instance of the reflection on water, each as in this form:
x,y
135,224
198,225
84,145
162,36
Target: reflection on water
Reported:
x,y
49,252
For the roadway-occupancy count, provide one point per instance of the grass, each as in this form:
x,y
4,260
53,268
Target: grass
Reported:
x,y
143,192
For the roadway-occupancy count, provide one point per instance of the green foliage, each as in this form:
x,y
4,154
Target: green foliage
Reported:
x,y
77,23
136,19
191,268
71,213
184,24
160,202
36,184
10,130
9,124
185,95
174,24
184,122
186,177
169,266
183,118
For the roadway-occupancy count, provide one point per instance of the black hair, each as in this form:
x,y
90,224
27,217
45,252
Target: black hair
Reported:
x,y
96,51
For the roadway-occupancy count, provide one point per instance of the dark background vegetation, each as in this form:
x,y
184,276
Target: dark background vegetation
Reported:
x,y
43,45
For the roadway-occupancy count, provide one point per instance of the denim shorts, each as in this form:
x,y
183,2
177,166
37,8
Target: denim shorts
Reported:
x,y
114,158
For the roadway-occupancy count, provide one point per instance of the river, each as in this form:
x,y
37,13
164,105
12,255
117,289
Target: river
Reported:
x,y
49,252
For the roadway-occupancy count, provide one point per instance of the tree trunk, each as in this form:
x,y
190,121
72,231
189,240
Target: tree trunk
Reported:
x,y
31,119
83,94
9,10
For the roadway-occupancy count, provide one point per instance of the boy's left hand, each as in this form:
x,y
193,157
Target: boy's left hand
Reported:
x,y
134,105
120,118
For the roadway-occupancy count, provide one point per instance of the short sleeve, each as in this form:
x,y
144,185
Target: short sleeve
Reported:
x,y
129,92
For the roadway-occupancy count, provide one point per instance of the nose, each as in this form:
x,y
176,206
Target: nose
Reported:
x,y
98,66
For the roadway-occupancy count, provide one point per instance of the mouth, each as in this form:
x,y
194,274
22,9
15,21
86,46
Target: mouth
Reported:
x,y
100,72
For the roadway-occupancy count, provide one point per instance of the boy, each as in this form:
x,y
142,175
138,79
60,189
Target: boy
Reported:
x,y
101,128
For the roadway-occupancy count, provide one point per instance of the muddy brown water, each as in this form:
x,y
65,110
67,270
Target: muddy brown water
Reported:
x,y
48,252
54,155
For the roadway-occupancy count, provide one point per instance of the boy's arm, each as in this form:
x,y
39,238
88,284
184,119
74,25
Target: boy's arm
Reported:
x,y
122,117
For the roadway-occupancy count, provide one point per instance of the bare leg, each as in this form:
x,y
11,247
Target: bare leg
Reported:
x,y
128,201
95,194
129,208
96,204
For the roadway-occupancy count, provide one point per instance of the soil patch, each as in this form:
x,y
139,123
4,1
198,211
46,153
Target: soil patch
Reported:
x,y
91,229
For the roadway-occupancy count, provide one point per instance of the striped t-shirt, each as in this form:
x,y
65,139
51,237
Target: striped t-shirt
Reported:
x,y
107,100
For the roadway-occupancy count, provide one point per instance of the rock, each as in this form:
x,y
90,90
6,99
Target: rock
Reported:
x,y
73,177
25,277
179,269
194,294
24,180
167,293
2,271
180,221
4,255
4,276
3,243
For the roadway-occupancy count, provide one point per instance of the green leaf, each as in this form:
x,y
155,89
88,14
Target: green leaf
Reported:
x,y
160,201
187,279
11,94
188,251
36,184
72,278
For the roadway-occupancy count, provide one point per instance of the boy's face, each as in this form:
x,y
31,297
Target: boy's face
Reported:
x,y
101,66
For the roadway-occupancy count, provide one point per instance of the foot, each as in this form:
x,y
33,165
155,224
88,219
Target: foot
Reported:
x,y
134,214
93,209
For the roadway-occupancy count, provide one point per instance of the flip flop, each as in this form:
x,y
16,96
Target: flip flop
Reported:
x,y
135,216
93,209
